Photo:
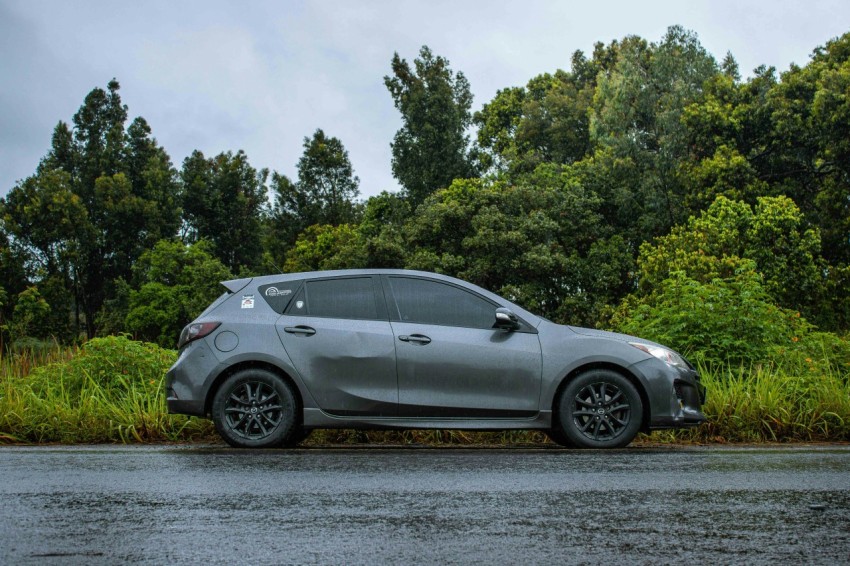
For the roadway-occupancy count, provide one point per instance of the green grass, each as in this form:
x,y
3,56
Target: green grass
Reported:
x,y
111,390
800,404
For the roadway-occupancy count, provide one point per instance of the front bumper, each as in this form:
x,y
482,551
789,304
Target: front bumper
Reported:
x,y
676,395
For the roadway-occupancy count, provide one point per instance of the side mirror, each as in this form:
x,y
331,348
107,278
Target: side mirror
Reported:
x,y
505,319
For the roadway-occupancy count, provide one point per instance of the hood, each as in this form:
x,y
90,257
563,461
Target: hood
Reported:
x,y
614,336
605,334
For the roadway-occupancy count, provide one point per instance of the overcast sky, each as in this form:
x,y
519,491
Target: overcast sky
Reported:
x,y
260,75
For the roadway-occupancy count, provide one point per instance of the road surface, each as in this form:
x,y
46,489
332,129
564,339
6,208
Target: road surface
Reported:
x,y
189,504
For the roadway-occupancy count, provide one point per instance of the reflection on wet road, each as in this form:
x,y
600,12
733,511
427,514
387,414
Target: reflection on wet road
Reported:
x,y
107,505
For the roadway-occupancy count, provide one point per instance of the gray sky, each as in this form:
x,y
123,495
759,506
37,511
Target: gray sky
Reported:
x,y
260,75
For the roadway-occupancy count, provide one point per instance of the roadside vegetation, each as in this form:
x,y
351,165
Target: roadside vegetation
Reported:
x,y
110,390
107,390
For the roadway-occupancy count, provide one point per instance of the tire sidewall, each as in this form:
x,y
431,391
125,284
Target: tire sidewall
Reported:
x,y
288,422
566,420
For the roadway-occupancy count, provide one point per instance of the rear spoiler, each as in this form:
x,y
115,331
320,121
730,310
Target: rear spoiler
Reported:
x,y
236,285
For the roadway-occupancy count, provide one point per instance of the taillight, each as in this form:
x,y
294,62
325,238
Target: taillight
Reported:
x,y
196,330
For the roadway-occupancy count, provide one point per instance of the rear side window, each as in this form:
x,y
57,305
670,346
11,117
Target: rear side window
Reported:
x,y
278,295
350,297
432,302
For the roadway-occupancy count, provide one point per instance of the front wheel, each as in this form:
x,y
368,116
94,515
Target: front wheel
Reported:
x,y
255,408
600,409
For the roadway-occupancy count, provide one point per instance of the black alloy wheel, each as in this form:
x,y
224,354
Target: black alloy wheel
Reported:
x,y
255,409
600,409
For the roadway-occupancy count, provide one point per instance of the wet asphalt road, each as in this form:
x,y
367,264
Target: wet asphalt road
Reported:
x,y
107,505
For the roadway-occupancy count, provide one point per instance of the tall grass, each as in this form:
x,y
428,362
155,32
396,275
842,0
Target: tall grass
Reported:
x,y
779,404
108,390
111,390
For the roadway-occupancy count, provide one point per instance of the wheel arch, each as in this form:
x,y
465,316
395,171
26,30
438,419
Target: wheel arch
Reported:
x,y
633,379
255,364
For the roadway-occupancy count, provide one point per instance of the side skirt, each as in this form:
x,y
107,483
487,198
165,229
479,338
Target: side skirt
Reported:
x,y
316,418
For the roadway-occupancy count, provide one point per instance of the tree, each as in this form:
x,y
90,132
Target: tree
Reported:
x,y
382,230
326,176
174,283
432,148
322,247
730,237
99,198
223,202
324,194
31,317
636,126
529,241
547,120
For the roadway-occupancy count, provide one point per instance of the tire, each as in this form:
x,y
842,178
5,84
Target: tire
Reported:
x,y
599,409
556,435
255,408
299,435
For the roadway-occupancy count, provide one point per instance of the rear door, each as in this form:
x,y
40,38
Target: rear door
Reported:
x,y
337,335
451,361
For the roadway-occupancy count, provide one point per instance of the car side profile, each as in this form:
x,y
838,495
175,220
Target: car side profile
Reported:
x,y
277,356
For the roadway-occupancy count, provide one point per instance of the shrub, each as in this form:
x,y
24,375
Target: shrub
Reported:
x,y
110,390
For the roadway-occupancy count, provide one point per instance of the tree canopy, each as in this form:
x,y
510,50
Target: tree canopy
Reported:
x,y
646,186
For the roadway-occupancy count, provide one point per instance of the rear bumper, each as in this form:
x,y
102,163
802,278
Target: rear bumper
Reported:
x,y
184,381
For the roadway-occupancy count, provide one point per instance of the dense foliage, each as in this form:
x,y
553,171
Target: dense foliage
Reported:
x,y
649,188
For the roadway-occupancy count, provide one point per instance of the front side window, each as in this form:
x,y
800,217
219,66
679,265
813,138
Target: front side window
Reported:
x,y
351,297
431,302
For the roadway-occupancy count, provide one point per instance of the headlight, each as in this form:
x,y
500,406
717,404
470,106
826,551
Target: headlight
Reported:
x,y
664,354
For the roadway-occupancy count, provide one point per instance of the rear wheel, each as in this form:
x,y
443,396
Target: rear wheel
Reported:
x,y
600,409
255,408
556,435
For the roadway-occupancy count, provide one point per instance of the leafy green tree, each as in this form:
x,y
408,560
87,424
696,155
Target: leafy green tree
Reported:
x,y
223,202
382,230
811,116
326,175
772,237
547,121
324,194
530,241
31,316
13,277
174,284
100,197
323,246
636,126
432,148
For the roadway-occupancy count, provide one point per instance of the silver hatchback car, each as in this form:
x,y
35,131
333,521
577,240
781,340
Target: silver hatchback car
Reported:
x,y
277,356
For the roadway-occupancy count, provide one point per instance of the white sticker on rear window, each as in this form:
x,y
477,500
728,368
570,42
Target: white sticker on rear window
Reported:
x,y
275,292
247,301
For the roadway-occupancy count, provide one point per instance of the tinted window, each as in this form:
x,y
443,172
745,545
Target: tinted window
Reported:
x,y
339,298
431,302
278,295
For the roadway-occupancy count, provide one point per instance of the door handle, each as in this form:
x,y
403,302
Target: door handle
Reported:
x,y
305,330
416,338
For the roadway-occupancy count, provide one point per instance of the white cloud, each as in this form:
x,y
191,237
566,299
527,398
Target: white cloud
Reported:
x,y
261,75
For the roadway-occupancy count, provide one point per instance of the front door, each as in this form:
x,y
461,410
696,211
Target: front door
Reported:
x,y
451,362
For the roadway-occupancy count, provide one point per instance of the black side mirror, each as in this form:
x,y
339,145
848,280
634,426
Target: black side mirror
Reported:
x,y
505,319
